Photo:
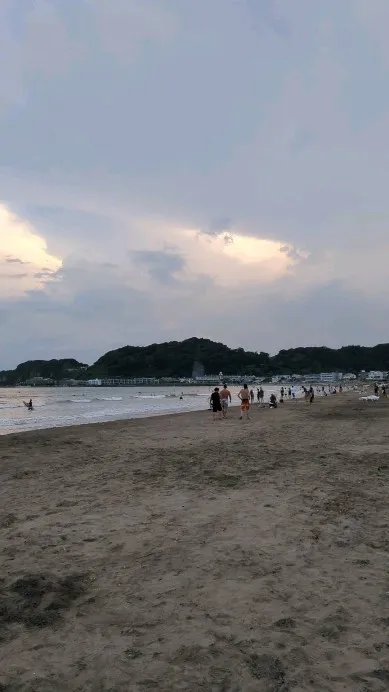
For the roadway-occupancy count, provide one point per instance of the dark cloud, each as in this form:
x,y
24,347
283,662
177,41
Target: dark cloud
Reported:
x,y
162,266
291,252
130,126
219,225
44,274
14,260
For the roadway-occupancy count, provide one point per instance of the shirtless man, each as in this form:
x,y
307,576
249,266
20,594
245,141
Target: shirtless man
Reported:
x,y
244,396
225,398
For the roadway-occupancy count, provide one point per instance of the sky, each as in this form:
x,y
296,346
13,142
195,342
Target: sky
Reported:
x,y
171,168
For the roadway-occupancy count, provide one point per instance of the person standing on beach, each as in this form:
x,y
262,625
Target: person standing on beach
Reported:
x,y
261,395
244,396
252,396
216,404
311,394
225,398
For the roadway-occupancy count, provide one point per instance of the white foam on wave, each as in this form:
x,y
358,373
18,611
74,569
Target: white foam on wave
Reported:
x,y
151,396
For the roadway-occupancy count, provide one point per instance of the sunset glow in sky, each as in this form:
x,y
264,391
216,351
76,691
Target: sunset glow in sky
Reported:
x,y
171,169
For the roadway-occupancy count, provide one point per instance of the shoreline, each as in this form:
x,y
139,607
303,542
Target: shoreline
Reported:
x,y
119,422
254,410
144,415
174,553
116,421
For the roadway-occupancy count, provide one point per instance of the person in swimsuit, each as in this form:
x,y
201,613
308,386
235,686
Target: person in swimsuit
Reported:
x,y
225,398
244,396
216,403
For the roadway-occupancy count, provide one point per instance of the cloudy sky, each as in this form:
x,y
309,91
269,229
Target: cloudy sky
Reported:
x,y
176,168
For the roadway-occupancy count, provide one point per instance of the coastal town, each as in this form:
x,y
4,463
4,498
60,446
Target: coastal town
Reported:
x,y
207,380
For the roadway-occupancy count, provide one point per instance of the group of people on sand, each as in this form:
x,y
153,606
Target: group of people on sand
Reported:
x,y
221,398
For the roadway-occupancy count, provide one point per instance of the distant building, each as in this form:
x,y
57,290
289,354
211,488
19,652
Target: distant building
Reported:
x,y
349,376
94,383
376,375
207,379
132,381
330,376
39,381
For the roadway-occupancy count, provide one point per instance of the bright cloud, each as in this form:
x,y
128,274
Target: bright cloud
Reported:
x,y
175,168
25,262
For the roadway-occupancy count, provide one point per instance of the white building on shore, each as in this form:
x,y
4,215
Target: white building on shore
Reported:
x,y
330,376
376,375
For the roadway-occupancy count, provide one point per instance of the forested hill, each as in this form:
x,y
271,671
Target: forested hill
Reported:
x,y
201,356
50,369
180,358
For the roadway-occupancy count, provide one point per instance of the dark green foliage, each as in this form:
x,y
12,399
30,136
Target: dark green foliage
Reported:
x,y
177,359
51,369
181,358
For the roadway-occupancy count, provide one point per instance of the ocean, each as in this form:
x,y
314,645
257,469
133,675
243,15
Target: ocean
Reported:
x,y
62,406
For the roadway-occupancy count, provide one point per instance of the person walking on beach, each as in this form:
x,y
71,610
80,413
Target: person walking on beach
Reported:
x,y
252,396
261,394
225,399
311,393
258,395
216,404
289,393
244,396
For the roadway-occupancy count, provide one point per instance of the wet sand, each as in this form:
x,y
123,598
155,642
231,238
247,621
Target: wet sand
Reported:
x,y
177,554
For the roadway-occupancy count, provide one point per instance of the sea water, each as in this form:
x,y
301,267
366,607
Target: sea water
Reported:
x,y
63,406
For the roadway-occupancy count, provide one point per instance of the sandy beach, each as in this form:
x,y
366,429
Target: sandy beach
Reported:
x,y
176,554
